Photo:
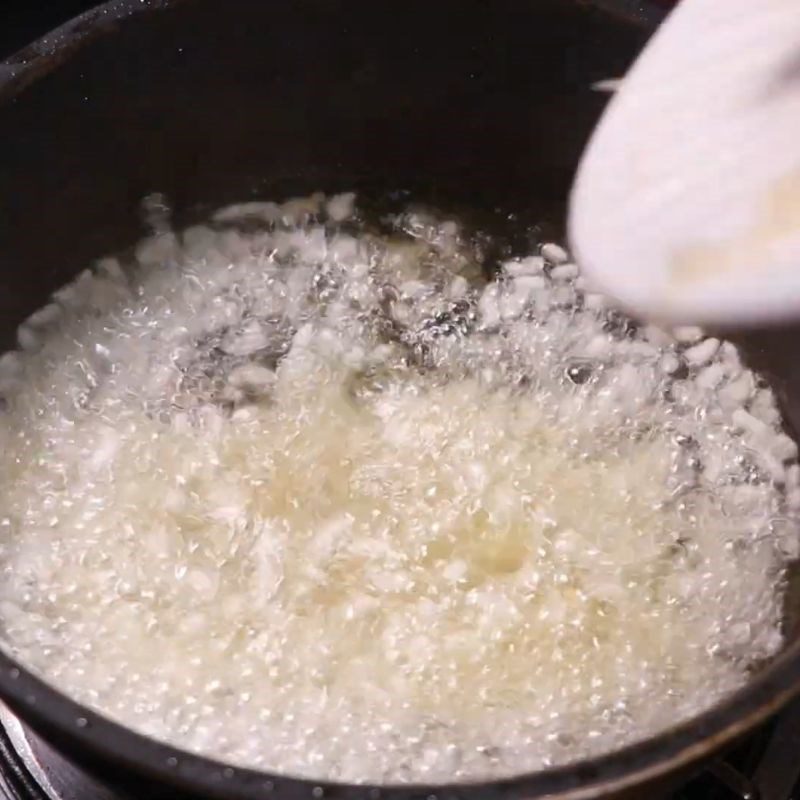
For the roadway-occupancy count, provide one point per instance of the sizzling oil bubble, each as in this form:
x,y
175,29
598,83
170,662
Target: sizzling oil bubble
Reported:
x,y
324,502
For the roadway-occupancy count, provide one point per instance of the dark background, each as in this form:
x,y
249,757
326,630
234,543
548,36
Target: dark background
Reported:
x,y
22,21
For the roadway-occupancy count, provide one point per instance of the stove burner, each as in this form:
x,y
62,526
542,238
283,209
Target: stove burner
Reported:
x,y
31,770
765,767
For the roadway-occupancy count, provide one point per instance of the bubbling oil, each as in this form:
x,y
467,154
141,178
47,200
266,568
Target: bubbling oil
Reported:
x,y
308,494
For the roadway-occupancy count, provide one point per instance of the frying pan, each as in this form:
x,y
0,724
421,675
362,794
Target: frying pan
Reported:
x,y
478,104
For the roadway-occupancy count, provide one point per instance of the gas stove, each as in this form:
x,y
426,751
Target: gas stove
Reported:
x,y
764,767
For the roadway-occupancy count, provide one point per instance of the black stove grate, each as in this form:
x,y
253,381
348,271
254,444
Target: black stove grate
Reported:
x,y
766,766
16,780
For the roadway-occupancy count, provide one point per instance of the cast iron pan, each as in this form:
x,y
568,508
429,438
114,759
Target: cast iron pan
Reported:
x,y
480,104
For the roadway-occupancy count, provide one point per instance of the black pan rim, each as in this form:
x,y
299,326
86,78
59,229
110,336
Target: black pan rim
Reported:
x,y
51,712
